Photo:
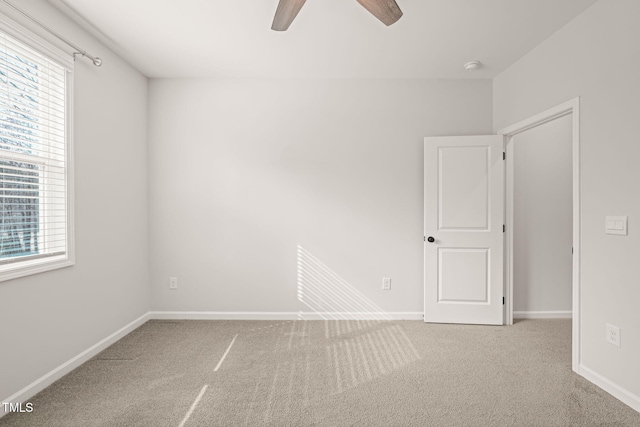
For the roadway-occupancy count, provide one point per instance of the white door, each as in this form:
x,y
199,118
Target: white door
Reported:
x,y
463,225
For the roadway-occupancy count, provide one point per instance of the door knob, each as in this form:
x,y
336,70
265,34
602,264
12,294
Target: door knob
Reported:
x,y
430,239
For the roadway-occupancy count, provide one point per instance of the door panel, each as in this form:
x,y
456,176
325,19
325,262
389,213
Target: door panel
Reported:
x,y
463,198
469,284
464,210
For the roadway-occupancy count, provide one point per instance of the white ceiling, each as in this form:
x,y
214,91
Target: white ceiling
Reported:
x,y
328,39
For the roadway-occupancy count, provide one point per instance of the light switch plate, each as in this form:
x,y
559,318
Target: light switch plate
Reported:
x,y
616,225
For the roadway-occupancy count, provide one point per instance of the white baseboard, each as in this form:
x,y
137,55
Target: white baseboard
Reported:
x,y
286,315
396,315
49,378
622,394
542,315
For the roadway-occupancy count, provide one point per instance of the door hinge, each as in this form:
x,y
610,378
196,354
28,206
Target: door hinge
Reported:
x,y
424,238
504,155
502,300
504,228
572,251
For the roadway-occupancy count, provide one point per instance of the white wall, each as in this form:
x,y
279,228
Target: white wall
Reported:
x,y
596,57
542,228
51,317
244,171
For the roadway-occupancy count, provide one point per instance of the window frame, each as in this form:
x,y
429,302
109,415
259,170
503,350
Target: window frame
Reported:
x,y
36,265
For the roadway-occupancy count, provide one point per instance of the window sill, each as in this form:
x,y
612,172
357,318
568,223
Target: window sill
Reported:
x,y
36,266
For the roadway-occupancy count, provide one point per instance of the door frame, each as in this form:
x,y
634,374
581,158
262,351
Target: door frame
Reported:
x,y
564,109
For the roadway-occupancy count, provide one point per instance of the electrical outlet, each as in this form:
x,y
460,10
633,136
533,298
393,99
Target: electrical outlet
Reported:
x,y
613,335
173,283
386,283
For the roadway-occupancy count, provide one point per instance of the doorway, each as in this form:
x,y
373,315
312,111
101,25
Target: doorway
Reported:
x,y
571,109
542,213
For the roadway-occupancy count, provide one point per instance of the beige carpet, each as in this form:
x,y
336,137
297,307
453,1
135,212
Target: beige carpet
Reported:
x,y
330,373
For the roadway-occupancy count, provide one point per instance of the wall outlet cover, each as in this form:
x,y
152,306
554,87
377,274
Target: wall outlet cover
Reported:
x,y
613,335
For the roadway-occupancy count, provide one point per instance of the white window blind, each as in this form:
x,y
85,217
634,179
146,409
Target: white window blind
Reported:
x,y
33,156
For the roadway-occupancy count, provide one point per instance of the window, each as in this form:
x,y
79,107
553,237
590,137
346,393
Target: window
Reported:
x,y
35,153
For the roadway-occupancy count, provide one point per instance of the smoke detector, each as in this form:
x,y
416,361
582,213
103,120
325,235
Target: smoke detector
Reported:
x,y
472,66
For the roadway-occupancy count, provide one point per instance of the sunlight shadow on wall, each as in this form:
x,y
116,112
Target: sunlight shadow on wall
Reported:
x,y
329,296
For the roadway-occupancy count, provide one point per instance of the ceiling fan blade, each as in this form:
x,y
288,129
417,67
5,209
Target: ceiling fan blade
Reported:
x,y
286,13
386,11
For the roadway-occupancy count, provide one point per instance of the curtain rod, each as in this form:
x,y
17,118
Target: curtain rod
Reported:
x,y
96,61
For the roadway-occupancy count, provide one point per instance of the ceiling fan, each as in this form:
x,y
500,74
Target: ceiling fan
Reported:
x,y
386,11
